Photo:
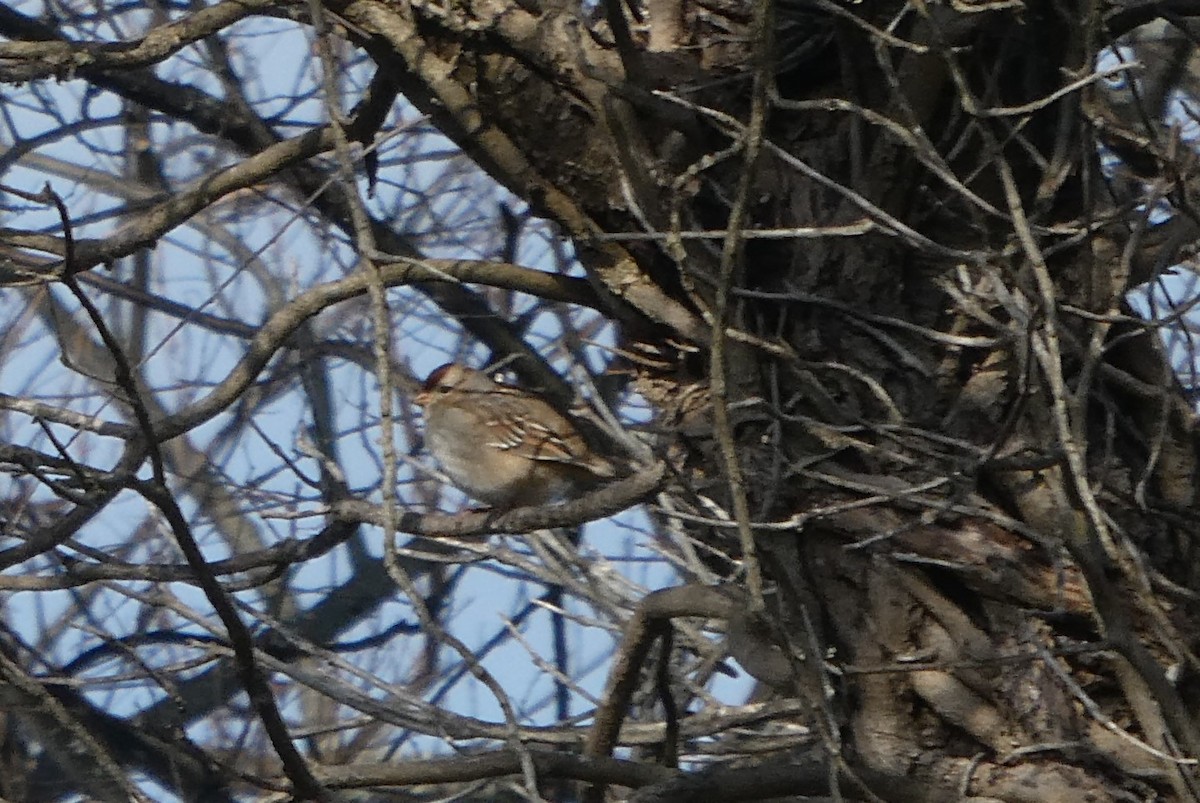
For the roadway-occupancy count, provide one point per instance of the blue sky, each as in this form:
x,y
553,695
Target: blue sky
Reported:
x,y
238,261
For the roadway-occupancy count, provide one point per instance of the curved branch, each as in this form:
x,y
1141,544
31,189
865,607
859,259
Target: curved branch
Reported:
x,y
600,503
43,59
280,326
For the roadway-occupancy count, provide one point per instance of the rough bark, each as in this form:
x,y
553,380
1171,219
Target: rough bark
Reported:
x,y
968,471
986,466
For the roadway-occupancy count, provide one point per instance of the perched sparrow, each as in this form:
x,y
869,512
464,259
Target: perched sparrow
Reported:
x,y
503,445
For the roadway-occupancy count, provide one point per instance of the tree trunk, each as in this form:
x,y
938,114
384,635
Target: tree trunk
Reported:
x,y
984,464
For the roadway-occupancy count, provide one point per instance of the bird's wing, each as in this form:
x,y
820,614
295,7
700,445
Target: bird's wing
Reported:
x,y
533,427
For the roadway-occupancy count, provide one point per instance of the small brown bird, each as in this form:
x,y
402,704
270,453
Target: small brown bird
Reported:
x,y
503,445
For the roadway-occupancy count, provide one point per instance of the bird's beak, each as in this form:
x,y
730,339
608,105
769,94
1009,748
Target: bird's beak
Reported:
x,y
421,399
